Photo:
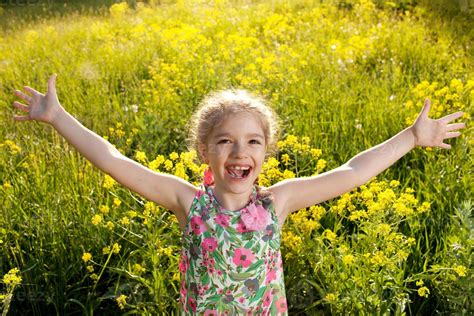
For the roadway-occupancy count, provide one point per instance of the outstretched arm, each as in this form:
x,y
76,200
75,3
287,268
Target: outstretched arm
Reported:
x,y
424,132
166,190
295,194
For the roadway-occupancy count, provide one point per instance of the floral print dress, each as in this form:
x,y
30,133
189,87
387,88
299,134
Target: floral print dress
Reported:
x,y
230,260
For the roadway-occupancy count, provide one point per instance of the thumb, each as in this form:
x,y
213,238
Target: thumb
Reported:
x,y
426,108
52,84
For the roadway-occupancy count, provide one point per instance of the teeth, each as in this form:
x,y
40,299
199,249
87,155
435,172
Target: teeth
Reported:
x,y
239,167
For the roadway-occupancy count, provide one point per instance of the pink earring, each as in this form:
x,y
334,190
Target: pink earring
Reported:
x,y
208,177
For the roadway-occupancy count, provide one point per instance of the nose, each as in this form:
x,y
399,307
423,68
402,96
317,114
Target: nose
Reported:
x,y
238,150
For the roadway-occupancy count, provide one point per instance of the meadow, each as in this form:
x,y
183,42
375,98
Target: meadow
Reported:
x,y
342,75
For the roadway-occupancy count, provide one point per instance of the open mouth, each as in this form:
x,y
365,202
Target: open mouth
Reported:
x,y
241,173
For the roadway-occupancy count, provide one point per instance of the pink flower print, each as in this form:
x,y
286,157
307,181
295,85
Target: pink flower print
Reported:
x,y
281,305
198,225
183,264
183,290
243,256
219,272
255,217
192,303
199,194
220,291
210,312
267,298
222,220
209,244
241,228
270,277
242,300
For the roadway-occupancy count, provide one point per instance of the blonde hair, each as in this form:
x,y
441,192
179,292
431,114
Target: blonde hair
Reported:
x,y
218,105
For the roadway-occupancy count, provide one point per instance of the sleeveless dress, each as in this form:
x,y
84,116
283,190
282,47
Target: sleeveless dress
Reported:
x,y
229,266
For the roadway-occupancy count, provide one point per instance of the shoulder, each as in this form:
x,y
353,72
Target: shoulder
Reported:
x,y
273,196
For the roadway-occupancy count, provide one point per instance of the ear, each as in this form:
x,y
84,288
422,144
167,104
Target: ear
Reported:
x,y
202,149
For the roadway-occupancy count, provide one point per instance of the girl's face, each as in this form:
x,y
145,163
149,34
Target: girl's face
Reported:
x,y
235,152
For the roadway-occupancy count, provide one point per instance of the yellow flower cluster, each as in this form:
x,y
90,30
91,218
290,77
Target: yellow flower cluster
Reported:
x,y
122,301
14,148
138,269
293,242
12,277
86,257
117,10
108,182
447,99
304,220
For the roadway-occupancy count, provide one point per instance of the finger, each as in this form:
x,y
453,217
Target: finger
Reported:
x,y
451,117
426,108
31,90
22,95
452,135
453,127
52,84
445,146
21,118
21,106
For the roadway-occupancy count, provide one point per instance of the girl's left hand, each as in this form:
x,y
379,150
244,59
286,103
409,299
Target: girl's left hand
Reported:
x,y
431,133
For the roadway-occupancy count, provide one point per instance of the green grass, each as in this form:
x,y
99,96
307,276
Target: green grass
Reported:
x,y
304,56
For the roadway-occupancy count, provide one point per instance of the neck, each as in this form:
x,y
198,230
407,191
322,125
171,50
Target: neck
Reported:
x,y
230,200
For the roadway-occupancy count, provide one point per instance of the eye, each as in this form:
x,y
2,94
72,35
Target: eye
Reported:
x,y
254,141
223,141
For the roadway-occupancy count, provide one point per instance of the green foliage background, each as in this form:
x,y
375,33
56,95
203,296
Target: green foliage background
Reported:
x,y
346,74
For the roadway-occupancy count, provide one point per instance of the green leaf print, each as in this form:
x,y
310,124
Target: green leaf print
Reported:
x,y
219,259
257,264
240,276
258,296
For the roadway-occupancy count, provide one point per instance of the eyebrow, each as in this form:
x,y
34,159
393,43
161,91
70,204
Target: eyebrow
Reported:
x,y
248,135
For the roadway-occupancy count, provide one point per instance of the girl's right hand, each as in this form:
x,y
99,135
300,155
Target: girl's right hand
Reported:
x,y
40,107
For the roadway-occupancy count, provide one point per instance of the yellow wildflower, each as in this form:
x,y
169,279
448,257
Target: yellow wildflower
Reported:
x,y
132,214
108,182
86,256
140,156
285,158
425,206
125,220
383,229
378,258
348,259
118,9
423,291
104,209
460,270
94,277
122,301
330,297
116,248
117,202
174,156
329,235
106,250
7,185
90,268
11,277
109,225
419,283
168,164
138,269
321,164
316,153
96,219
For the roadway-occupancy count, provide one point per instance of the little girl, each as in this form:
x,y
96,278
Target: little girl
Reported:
x,y
230,259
